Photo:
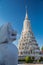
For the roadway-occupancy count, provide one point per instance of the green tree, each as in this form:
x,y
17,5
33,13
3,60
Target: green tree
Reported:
x,y
42,48
28,59
33,58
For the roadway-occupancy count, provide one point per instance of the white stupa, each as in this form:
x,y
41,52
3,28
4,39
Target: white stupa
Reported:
x,y
27,44
8,51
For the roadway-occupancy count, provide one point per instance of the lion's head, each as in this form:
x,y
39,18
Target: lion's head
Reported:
x,y
7,33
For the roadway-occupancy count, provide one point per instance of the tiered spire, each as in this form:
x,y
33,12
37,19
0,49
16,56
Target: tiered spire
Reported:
x,y
26,17
26,24
27,43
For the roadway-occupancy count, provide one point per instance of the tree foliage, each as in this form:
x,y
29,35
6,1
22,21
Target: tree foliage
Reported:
x,y
28,59
42,48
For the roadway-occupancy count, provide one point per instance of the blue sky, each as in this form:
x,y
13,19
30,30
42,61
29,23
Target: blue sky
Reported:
x,y
13,11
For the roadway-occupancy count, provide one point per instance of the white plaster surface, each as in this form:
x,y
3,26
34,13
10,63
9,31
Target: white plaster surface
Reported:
x,y
8,54
8,51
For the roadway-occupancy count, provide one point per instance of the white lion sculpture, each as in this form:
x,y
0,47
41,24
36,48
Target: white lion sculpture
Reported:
x,y
8,51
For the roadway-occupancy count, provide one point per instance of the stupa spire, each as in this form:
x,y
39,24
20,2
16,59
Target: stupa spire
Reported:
x,y
27,43
26,17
